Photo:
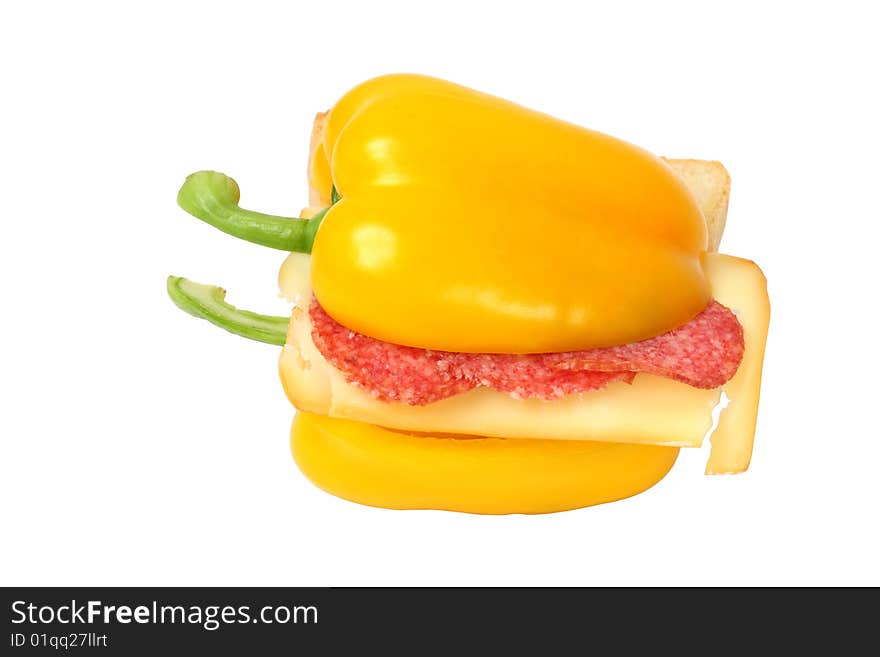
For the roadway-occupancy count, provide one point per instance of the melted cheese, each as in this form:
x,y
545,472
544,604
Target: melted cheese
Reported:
x,y
652,410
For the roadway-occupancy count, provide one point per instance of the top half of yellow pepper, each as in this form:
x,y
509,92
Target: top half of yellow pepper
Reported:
x,y
465,222
469,223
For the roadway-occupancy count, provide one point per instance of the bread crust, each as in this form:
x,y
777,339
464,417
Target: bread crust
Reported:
x,y
709,182
314,145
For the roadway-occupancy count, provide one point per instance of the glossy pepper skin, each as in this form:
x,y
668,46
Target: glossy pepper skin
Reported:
x,y
381,467
469,223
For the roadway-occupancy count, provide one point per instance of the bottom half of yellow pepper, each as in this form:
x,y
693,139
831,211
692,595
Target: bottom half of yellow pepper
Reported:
x,y
382,467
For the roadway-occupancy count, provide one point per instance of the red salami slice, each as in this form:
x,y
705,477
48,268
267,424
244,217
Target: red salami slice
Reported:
x,y
704,353
389,371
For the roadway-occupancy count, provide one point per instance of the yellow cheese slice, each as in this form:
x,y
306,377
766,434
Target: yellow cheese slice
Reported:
x,y
653,410
740,285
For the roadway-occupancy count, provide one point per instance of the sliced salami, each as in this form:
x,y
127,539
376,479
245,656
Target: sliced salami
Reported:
x,y
704,353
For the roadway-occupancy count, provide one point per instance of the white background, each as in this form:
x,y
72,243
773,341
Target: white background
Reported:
x,y
141,446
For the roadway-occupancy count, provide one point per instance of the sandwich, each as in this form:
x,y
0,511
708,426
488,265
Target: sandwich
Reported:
x,y
496,311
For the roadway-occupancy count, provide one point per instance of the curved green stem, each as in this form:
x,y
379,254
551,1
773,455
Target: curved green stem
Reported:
x,y
209,302
213,197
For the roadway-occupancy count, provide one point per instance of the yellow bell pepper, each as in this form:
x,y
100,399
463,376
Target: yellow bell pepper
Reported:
x,y
395,470
453,220
478,225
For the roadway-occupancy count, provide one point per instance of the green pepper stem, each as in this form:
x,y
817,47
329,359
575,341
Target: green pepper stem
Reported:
x,y
213,197
209,302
